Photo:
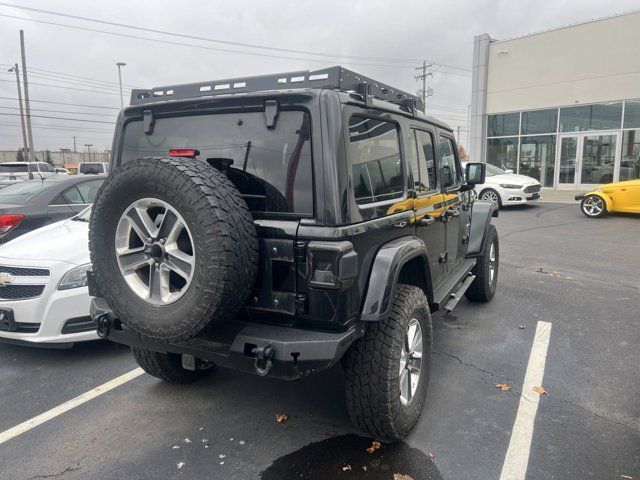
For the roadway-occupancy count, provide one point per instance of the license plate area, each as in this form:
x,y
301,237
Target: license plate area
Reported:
x,y
7,320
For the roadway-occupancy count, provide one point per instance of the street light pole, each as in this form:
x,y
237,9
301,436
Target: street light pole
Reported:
x,y
120,65
89,145
27,106
24,128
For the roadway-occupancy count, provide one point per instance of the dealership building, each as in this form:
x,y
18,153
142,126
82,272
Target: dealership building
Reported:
x,y
563,105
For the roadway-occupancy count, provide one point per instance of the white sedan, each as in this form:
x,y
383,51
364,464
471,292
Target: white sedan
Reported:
x,y
44,298
503,187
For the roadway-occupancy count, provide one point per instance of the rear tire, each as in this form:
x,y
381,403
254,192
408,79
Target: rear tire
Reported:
x,y
377,367
592,206
166,366
483,287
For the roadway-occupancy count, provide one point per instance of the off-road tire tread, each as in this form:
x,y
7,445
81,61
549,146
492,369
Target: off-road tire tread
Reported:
x,y
166,367
231,237
480,289
371,363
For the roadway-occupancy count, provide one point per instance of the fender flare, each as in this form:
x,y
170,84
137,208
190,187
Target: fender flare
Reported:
x,y
385,272
481,213
606,198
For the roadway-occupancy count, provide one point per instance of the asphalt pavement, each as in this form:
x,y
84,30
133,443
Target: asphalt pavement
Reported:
x,y
557,266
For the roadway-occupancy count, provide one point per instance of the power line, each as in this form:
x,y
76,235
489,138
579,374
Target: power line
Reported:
x,y
60,111
207,39
73,76
60,118
202,47
67,104
69,81
66,88
66,129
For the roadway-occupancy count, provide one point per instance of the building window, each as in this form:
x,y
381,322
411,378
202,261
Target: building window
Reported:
x,y
503,125
503,153
630,161
538,158
632,114
591,117
539,121
374,150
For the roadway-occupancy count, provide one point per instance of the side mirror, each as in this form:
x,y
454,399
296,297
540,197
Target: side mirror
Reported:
x,y
475,173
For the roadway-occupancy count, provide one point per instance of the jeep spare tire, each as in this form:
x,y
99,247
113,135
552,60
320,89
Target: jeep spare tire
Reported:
x,y
173,246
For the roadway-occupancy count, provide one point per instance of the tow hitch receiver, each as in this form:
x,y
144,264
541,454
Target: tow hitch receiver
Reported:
x,y
264,357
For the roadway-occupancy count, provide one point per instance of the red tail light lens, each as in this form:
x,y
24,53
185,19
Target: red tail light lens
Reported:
x,y
183,152
8,221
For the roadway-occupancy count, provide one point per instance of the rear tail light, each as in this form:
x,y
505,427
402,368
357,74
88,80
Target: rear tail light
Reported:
x,y
333,265
8,221
183,152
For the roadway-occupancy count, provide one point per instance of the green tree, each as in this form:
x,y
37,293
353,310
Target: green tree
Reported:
x,y
20,156
47,158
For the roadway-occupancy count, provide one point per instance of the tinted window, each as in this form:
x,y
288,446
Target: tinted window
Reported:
x,y
426,158
45,167
492,170
503,152
72,196
374,151
21,192
539,121
272,167
503,124
91,168
591,117
13,167
448,170
632,114
88,190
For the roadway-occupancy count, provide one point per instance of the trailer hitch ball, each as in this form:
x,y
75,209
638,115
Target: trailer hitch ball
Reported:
x,y
264,357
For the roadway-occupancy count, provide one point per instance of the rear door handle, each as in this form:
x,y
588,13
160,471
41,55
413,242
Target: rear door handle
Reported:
x,y
426,221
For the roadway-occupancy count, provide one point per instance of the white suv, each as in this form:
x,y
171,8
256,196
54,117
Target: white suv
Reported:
x,y
14,172
44,298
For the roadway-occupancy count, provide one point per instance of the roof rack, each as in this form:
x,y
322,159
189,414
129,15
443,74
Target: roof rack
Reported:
x,y
338,78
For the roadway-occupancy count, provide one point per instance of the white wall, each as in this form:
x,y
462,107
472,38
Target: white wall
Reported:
x,y
593,62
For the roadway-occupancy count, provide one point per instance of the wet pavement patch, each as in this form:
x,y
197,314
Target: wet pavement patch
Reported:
x,y
346,457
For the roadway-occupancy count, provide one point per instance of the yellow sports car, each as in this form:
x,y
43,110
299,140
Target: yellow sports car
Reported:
x,y
611,197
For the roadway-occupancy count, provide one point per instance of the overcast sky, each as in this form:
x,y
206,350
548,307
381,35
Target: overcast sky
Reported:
x,y
441,32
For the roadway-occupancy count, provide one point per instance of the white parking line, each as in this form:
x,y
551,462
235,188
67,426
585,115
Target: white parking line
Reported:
x,y
517,459
66,406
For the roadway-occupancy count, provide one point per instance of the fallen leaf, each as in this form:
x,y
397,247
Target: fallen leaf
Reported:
x,y
187,440
222,455
175,447
241,442
201,428
180,464
540,390
364,467
205,440
503,386
401,476
346,468
221,463
627,477
540,270
282,417
431,455
375,445
522,327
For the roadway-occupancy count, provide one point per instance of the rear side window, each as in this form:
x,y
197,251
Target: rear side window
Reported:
x,y
426,160
374,151
91,168
13,167
272,167
88,190
72,196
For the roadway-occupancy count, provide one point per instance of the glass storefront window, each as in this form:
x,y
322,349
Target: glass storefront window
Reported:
x,y
632,114
630,161
538,158
503,153
591,117
539,121
503,125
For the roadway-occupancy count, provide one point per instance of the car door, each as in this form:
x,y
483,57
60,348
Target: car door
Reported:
x,y
428,198
88,190
450,175
66,204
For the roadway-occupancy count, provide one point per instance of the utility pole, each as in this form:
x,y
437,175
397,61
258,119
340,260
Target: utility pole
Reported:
x,y
31,156
89,145
423,76
120,65
469,128
24,128
74,144
458,137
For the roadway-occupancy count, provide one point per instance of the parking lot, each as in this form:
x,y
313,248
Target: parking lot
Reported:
x,y
557,266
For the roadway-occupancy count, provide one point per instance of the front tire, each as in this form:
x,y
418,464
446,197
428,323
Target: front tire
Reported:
x,y
483,287
166,366
387,370
593,206
492,196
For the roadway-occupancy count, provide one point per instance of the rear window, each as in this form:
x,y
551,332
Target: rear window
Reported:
x,y
19,193
94,168
13,167
271,167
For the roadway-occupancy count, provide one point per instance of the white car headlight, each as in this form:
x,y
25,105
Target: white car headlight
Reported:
x,y
511,186
75,278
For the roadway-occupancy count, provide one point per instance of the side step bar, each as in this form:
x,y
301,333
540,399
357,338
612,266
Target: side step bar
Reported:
x,y
455,297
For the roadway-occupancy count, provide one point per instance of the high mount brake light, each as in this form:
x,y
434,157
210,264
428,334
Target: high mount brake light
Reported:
x,y
8,221
183,152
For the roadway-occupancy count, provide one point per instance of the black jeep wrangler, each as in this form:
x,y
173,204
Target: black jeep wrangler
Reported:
x,y
284,223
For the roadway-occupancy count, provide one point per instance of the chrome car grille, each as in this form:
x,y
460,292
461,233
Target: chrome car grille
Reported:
x,y
532,189
20,292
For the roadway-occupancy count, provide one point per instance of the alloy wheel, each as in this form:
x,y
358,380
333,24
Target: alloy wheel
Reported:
x,y
410,362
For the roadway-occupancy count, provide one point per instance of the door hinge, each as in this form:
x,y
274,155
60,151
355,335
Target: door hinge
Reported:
x,y
444,257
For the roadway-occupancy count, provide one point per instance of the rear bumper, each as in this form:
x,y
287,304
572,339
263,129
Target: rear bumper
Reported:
x,y
292,353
